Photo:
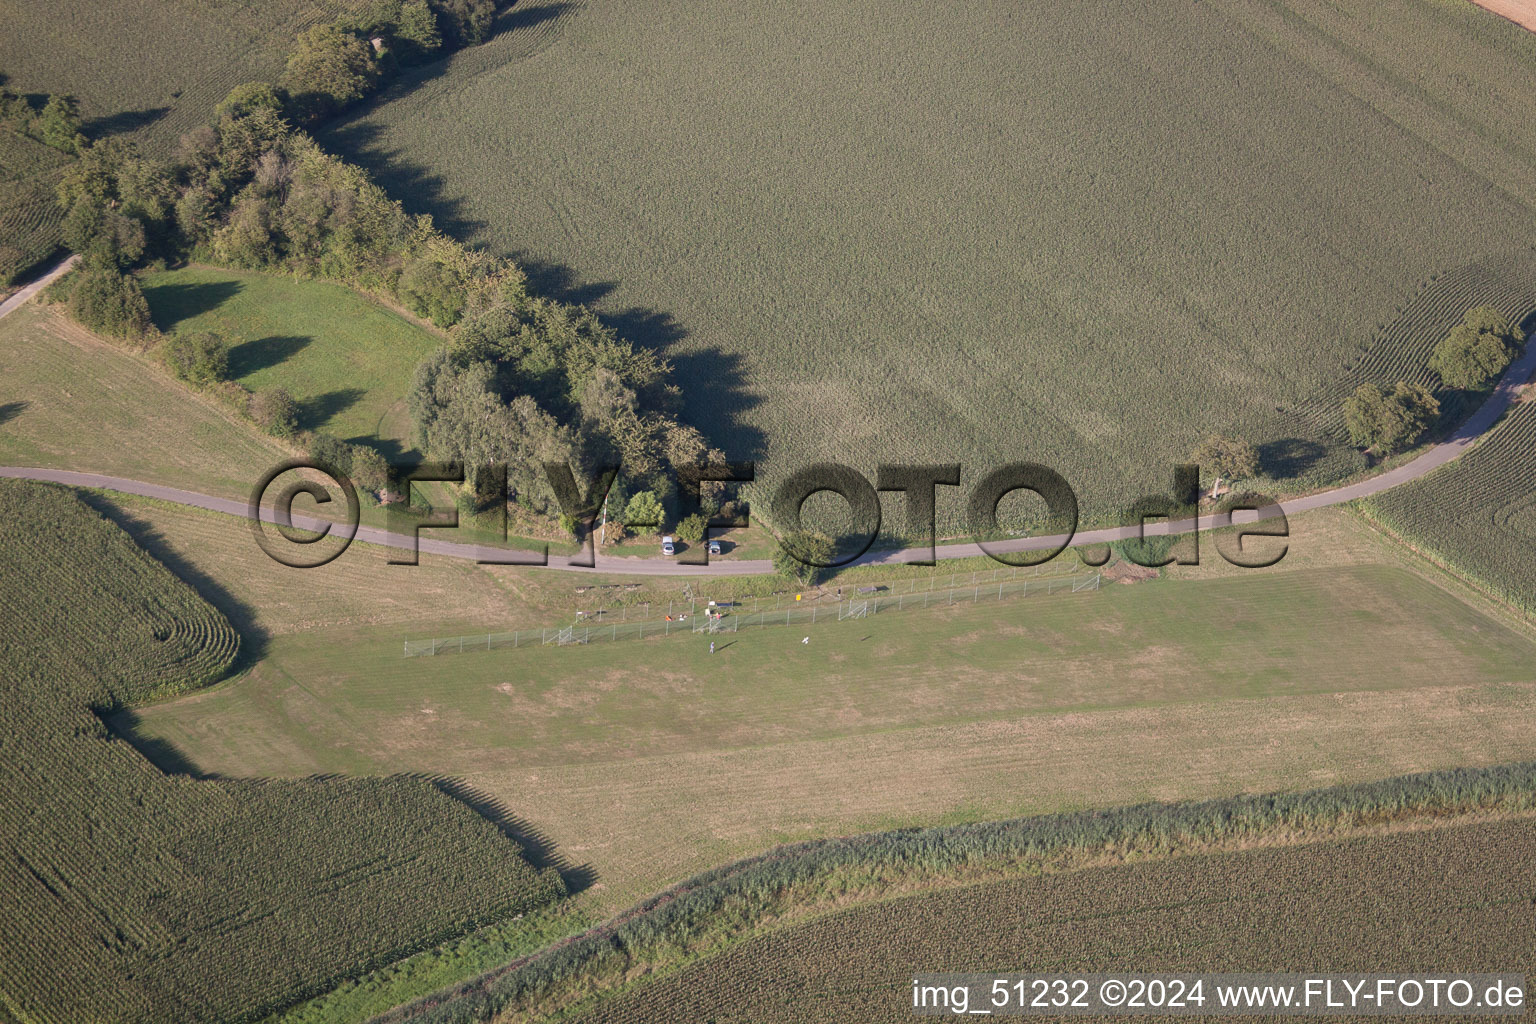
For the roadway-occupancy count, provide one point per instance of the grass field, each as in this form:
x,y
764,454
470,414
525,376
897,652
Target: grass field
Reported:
x,y
652,760
1477,517
71,401
132,896
1395,903
857,249
347,360
151,70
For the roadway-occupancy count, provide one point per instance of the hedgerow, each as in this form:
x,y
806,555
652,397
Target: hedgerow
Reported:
x,y
132,895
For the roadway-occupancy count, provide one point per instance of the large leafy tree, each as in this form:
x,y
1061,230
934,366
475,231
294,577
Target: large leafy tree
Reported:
x,y
1389,419
329,69
804,556
1476,350
1227,457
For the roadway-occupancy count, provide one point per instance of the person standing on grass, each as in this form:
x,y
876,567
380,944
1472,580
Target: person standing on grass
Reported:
x,y
711,647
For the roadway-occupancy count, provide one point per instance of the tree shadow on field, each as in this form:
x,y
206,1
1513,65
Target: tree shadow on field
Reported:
x,y
1289,457
123,121
253,638
715,397
260,353
714,382
395,453
559,282
161,753
170,304
10,410
538,848
314,412
416,186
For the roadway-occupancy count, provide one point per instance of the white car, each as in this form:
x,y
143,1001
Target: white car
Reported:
x,y
667,547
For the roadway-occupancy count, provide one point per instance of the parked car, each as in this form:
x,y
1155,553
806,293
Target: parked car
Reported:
x,y
714,547
667,547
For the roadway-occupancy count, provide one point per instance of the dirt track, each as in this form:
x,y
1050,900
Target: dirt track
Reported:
x,y
1521,12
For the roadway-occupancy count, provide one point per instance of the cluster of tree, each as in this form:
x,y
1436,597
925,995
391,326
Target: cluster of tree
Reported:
x,y
252,192
201,358
525,382
1471,356
334,65
805,556
1477,350
56,125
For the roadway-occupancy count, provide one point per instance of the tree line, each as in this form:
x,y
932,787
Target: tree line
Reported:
x,y
522,380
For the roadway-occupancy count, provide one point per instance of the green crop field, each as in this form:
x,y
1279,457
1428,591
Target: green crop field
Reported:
x,y
348,361
151,70
130,895
1478,515
1104,234
1395,903
654,759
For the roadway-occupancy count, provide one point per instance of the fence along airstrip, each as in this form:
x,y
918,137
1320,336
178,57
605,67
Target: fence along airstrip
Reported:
x,y
809,607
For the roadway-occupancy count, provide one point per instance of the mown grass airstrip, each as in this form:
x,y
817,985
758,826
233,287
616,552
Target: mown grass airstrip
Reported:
x,y
654,759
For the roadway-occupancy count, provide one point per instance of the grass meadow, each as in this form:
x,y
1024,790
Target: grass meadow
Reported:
x,y
1104,234
651,760
346,360
69,400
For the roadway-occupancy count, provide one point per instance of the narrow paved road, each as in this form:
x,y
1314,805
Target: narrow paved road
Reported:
x,y
53,274
1437,456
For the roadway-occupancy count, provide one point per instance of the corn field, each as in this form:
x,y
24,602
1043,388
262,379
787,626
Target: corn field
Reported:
x,y
1081,250
1387,903
127,894
30,216
1477,516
